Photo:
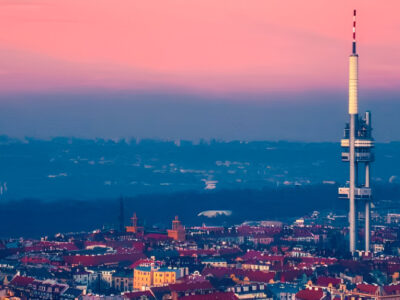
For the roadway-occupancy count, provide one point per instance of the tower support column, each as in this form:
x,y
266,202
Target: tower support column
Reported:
x,y
352,204
367,209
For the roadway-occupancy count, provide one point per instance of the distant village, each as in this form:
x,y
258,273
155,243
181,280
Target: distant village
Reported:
x,y
304,260
89,169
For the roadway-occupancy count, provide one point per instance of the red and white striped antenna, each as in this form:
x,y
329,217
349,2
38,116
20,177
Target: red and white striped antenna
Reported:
x,y
354,31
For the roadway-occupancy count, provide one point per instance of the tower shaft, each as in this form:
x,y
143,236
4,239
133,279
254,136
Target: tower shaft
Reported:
x,y
353,112
357,151
367,185
367,210
352,184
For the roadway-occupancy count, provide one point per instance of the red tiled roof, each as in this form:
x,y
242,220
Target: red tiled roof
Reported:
x,y
160,288
256,275
290,275
319,260
137,245
34,260
367,288
217,272
141,261
261,256
94,244
191,286
285,248
21,281
259,276
392,289
325,281
213,296
310,294
95,260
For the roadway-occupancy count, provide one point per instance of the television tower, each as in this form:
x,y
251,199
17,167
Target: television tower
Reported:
x,y
357,147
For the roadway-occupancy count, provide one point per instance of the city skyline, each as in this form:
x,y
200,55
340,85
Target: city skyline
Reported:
x,y
188,150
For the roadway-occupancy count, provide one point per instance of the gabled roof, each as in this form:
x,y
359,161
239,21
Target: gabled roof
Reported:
x,y
255,275
191,286
261,256
141,261
290,275
310,294
319,260
367,288
325,281
21,281
95,260
392,289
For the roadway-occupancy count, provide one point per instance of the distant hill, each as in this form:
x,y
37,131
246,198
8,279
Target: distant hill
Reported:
x,y
33,217
72,168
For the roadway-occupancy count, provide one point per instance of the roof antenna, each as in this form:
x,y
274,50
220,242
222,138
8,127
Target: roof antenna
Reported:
x,y
354,32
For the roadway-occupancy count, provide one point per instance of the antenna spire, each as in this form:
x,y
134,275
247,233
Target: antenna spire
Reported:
x,y
354,32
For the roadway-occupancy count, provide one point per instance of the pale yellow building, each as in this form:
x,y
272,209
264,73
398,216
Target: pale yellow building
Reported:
x,y
148,276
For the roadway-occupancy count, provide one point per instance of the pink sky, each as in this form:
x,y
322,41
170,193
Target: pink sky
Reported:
x,y
207,46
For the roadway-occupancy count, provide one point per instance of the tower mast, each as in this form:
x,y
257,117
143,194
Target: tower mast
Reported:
x,y
353,112
357,145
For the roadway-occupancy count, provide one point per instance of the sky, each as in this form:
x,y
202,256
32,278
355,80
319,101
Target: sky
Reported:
x,y
170,59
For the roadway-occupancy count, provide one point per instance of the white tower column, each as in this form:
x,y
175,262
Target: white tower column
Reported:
x,y
367,209
353,112
352,204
